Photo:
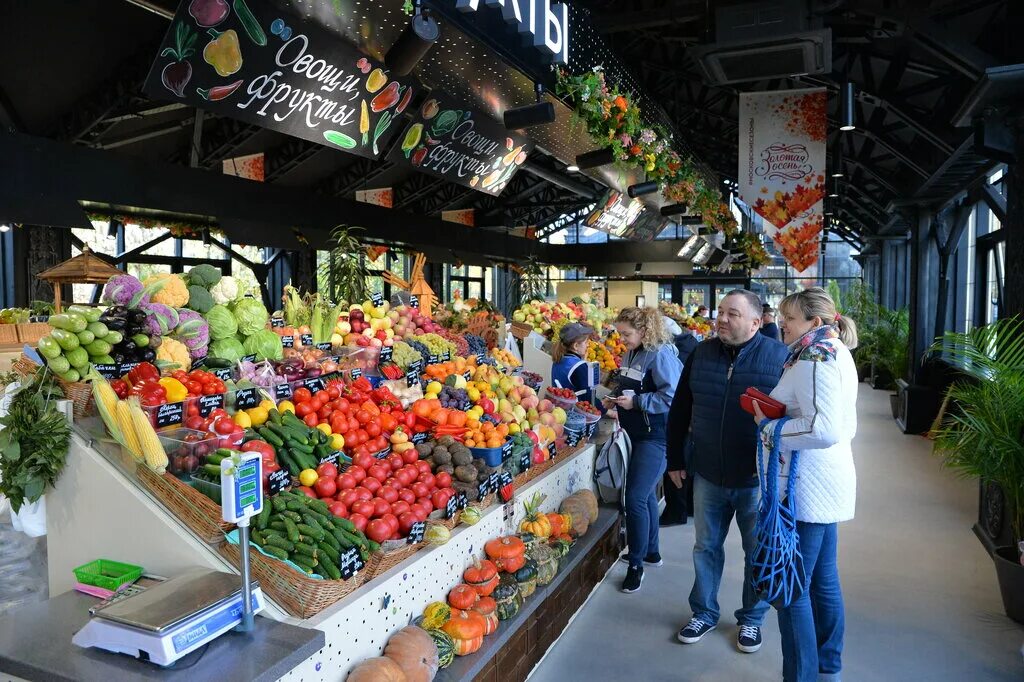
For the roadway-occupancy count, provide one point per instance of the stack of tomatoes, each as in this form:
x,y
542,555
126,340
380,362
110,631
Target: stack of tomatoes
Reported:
x,y
383,497
218,422
199,382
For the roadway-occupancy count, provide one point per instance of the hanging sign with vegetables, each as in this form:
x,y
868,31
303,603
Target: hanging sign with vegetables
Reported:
x,y
246,59
461,145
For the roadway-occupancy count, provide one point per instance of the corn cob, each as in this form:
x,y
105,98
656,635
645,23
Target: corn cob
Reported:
x,y
150,445
124,420
106,404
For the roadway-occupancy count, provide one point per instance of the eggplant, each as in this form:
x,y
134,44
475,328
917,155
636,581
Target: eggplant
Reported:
x,y
118,357
148,355
115,324
137,316
116,311
128,346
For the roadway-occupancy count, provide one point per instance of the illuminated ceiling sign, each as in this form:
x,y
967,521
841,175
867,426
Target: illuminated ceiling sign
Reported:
x,y
547,24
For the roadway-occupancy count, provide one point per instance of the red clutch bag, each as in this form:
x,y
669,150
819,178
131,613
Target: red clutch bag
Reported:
x,y
770,407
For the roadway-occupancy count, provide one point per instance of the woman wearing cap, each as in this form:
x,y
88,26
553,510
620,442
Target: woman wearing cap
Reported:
x,y
568,355
643,394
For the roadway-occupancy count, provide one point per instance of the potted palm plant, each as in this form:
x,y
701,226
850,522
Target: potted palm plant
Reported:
x,y
982,435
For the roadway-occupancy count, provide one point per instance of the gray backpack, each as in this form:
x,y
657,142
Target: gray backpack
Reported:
x,y
610,467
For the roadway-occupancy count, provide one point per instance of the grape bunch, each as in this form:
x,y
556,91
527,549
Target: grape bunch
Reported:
x,y
454,398
420,348
476,344
437,345
404,354
460,343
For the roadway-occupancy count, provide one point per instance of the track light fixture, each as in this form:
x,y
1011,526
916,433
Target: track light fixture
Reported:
x,y
536,114
598,157
5,227
846,99
673,209
572,168
206,237
642,188
112,227
414,43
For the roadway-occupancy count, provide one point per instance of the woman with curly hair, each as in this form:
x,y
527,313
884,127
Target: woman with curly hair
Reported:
x,y
641,399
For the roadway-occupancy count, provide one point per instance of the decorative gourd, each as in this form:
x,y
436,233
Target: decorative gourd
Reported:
x,y
436,615
561,546
462,597
535,522
527,578
470,516
589,500
466,628
445,647
415,653
547,563
507,553
507,597
577,509
378,669
558,522
482,576
437,534
529,540
488,608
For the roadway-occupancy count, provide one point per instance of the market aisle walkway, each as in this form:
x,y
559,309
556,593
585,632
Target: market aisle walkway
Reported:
x,y
922,602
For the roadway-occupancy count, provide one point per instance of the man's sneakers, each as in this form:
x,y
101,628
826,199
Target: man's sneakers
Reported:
x,y
650,559
694,631
749,639
634,576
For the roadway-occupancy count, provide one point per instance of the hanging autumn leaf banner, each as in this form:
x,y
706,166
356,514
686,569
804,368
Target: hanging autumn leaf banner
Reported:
x,y
782,167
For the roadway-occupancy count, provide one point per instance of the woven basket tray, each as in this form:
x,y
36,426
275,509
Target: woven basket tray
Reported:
x,y
191,507
381,561
8,334
31,332
521,330
447,523
78,392
297,593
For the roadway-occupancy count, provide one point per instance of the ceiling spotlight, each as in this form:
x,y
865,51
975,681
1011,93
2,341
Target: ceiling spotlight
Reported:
x,y
536,114
4,227
112,228
833,194
829,212
846,99
598,157
674,209
837,173
414,43
642,188
572,168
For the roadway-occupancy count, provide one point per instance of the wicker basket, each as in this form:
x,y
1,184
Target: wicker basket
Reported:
x,y
445,523
31,332
188,505
78,392
521,330
297,593
382,561
8,334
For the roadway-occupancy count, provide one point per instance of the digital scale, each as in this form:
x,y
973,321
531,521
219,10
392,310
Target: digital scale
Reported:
x,y
172,619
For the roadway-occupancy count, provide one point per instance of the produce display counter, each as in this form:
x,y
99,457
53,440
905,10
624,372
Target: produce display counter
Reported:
x,y
103,508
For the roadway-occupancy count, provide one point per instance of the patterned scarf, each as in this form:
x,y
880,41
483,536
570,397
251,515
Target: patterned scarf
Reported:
x,y
812,346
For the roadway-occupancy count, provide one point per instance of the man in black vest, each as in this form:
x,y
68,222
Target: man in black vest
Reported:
x,y
679,500
723,468
768,326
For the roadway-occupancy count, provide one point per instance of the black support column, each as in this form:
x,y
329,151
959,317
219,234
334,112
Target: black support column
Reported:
x,y
1013,303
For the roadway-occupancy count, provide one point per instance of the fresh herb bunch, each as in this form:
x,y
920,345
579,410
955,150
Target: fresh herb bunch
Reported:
x,y
34,441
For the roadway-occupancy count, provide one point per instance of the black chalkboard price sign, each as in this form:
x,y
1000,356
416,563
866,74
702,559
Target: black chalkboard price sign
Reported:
x,y
307,339
283,391
325,346
332,458
249,358
451,507
279,481
418,438
223,373
251,61
350,562
170,414
209,403
377,299
525,460
386,354
416,533
414,301
246,398
288,341
276,322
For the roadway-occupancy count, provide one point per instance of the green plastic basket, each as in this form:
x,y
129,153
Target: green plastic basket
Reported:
x,y
110,575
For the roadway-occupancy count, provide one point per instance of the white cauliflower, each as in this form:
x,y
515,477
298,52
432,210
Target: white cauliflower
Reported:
x,y
225,291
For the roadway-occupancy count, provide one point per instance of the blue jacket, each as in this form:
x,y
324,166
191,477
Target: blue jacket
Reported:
x,y
708,400
576,379
660,368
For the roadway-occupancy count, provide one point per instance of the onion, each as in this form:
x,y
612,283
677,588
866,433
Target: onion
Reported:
x,y
313,372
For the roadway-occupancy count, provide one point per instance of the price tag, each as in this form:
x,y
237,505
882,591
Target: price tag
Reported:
x,y
467,375
378,300
171,414
494,482
223,373
314,384
350,562
283,391
416,366
279,481
209,403
288,341
109,371
246,398
463,499
416,533
327,345
331,458
249,358
505,478
551,450
199,363
383,453
525,460
277,322
356,373
307,339
482,488
572,438
446,356
414,301
508,513
433,360
506,450
451,507
412,378
480,358
420,437
385,354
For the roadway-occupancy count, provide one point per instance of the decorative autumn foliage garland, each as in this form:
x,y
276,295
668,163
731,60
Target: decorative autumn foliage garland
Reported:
x,y
178,228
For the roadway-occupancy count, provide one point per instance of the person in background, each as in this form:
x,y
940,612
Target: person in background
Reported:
x,y
568,356
768,326
679,500
672,327
702,312
819,389
641,399
724,458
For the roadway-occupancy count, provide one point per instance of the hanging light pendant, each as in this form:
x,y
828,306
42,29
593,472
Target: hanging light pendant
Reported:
x,y
846,99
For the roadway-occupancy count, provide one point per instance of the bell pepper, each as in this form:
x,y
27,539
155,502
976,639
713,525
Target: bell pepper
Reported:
x,y
175,390
120,387
144,371
150,393
258,415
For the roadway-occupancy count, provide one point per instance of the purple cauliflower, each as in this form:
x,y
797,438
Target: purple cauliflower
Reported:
x,y
122,289
160,319
193,331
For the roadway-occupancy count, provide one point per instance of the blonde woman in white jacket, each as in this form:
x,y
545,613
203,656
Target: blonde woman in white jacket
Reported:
x,y
819,388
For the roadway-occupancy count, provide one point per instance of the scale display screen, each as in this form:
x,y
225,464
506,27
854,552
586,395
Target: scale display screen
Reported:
x,y
242,487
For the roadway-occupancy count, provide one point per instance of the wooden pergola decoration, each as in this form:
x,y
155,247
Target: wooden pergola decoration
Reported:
x,y
415,285
85,268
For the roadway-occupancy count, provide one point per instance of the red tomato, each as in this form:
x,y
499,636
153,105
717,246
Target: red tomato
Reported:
x,y
338,424
301,395
373,429
353,424
348,497
363,417
359,521
324,412
210,389
424,467
428,480
406,521
363,461
388,493
362,507
363,493
346,481
326,487
194,423
410,456
224,426
405,477
334,392
342,405
357,473
379,443
311,420
194,387
322,396
360,438
399,508
421,489
407,495
410,419
378,530
338,509
387,422
443,479
303,409
422,511
439,498
328,470
380,472
395,461
392,521
307,491
381,506
372,484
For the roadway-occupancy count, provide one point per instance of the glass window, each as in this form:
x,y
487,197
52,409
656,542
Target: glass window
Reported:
x,y
247,282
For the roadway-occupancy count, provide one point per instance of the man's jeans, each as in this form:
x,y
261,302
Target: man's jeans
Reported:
x,y
813,624
714,507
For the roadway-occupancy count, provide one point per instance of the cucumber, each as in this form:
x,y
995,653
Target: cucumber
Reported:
x,y
285,460
270,436
332,541
277,523
276,541
308,550
212,470
278,503
342,539
330,568
332,554
274,416
276,552
85,337
300,561
320,508
314,533
293,530
65,339
264,516
217,363
58,364
344,524
294,516
49,348
296,506
268,532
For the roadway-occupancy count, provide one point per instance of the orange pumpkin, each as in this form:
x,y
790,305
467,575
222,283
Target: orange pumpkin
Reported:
x,y
558,524
488,608
482,576
415,653
466,628
508,553
379,669
462,597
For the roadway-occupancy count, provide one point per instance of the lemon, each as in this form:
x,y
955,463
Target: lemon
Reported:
x,y
242,419
513,428
267,405
307,477
325,428
286,406
434,387
337,441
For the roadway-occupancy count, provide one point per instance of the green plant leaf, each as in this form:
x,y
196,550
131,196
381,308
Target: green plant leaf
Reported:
x,y
12,451
34,489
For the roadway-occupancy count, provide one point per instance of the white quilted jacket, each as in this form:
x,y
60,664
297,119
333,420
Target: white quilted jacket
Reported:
x,y
821,399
